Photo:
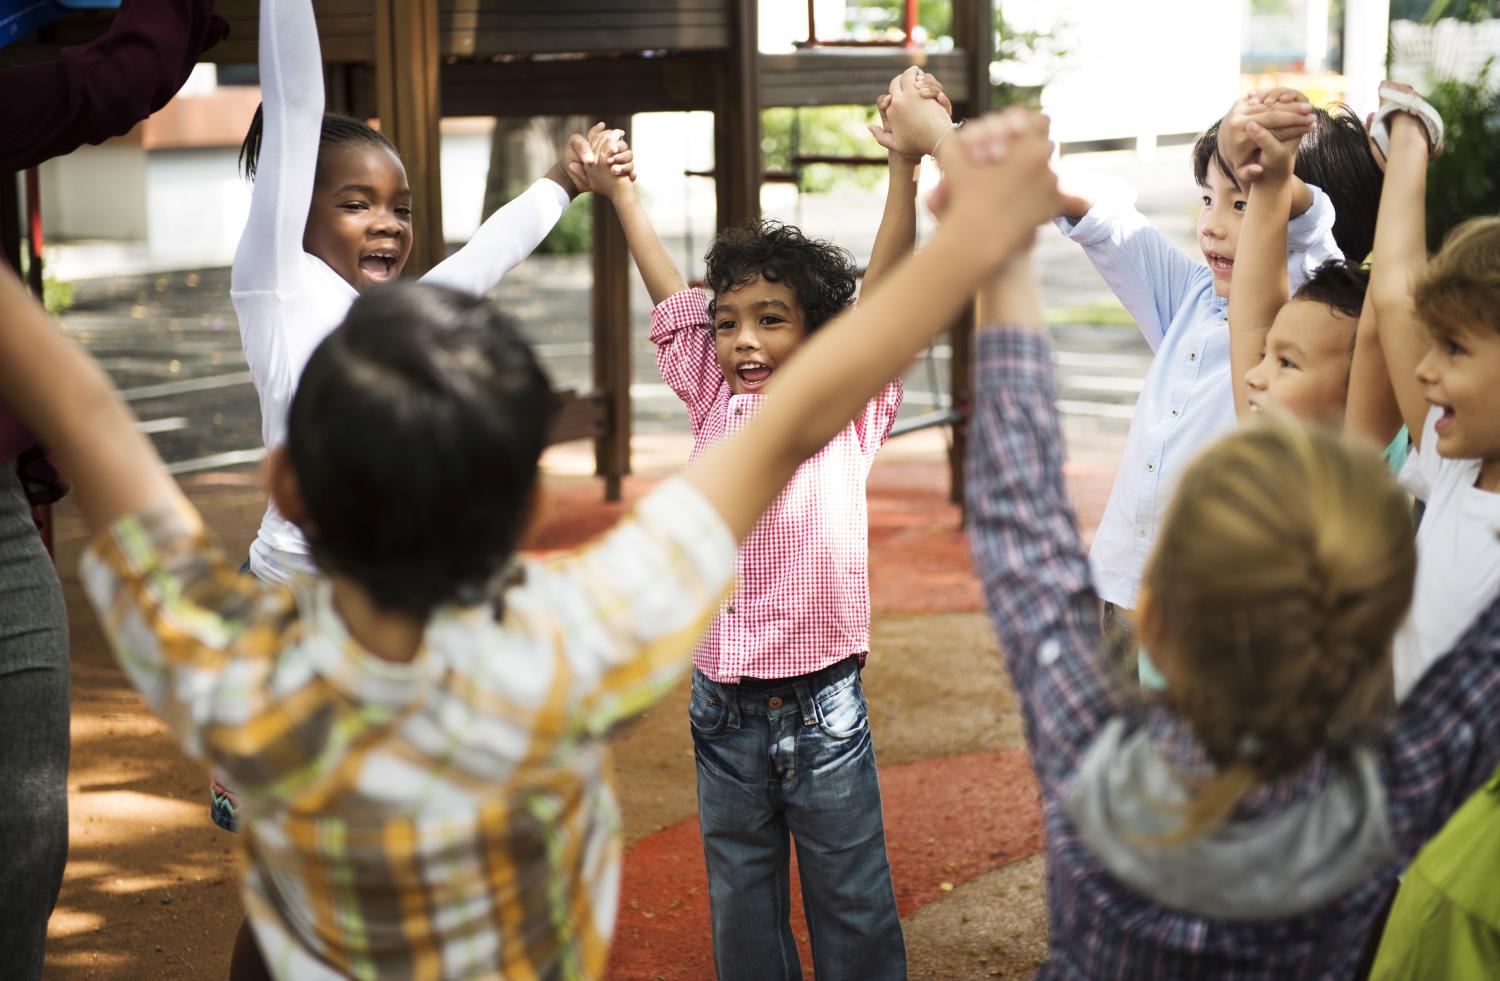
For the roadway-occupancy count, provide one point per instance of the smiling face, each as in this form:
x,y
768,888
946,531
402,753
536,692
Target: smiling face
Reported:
x,y
756,328
1461,374
1305,368
359,222
1219,224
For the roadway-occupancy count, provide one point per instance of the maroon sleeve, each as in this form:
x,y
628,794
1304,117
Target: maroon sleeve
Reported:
x,y
101,89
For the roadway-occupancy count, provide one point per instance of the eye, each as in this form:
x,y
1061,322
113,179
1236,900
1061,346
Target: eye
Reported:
x,y
770,320
724,326
1287,363
1455,349
1240,206
354,206
1208,202
404,211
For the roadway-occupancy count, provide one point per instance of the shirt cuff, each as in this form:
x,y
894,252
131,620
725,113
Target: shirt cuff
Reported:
x,y
1112,200
1313,225
688,308
1008,353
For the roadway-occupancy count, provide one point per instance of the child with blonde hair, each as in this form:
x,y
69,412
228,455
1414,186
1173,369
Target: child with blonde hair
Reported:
x,y
1250,821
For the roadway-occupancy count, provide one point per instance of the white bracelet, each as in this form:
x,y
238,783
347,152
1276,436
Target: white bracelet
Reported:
x,y
940,139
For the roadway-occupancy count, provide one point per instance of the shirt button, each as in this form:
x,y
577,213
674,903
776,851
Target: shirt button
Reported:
x,y
1192,355
1141,532
738,411
1176,413
1150,468
774,702
730,608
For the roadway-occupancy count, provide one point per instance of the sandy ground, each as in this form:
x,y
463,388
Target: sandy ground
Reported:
x,y
152,891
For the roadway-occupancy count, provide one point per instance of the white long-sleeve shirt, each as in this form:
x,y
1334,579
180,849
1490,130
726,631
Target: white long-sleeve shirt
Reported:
x,y
288,300
1187,400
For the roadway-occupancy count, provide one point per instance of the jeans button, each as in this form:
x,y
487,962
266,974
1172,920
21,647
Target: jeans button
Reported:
x,y
774,702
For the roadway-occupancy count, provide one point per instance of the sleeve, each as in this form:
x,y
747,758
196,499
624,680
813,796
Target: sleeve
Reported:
x,y
873,425
682,331
101,89
1309,239
1150,275
506,238
1029,557
637,601
1419,474
176,613
269,256
1446,738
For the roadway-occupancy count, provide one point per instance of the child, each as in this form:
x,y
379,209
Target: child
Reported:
x,y
1250,821
1295,356
778,718
1181,307
1440,333
418,737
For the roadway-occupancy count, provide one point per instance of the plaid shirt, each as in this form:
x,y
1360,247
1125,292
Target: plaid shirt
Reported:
x,y
804,596
1442,745
444,817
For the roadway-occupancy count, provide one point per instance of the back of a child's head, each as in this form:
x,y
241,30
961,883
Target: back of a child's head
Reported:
x,y
337,131
1338,284
1335,157
1283,569
414,437
819,274
1460,289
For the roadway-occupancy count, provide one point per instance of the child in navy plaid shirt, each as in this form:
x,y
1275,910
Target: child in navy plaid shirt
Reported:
x,y
778,714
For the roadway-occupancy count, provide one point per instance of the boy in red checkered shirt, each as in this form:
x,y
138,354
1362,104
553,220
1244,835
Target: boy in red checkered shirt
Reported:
x,y
778,715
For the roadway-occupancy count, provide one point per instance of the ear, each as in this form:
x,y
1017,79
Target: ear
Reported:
x,y
285,492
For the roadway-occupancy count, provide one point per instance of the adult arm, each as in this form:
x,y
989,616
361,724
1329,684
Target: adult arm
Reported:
x,y
1024,539
101,89
269,256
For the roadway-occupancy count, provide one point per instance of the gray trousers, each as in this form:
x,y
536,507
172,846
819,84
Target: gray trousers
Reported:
x,y
33,735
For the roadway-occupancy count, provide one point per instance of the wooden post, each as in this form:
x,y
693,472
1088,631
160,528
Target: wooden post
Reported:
x,y
737,121
407,99
611,324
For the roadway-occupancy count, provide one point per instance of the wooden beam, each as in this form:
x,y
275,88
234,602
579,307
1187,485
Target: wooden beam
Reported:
x,y
737,121
611,326
408,101
849,76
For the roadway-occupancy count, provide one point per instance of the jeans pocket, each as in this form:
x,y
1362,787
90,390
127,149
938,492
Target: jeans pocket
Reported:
x,y
707,712
842,713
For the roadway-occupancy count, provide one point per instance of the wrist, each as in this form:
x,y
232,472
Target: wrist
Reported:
x,y
559,175
621,193
942,140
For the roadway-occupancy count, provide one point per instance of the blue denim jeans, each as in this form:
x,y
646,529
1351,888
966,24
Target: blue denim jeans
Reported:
x,y
794,761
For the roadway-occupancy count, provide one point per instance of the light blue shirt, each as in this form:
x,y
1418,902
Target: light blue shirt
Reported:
x,y
1188,397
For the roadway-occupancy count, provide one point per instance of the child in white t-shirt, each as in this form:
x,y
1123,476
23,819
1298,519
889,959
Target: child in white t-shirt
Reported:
x,y
1439,325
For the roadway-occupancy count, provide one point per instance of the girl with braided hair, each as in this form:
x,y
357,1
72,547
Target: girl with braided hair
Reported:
x,y
1251,819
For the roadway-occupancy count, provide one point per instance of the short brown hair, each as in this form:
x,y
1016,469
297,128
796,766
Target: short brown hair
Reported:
x,y
1461,286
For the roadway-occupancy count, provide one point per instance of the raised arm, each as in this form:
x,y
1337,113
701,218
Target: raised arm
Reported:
x,y
269,256
101,89
1260,269
915,115
656,265
993,211
1371,412
66,399
1398,259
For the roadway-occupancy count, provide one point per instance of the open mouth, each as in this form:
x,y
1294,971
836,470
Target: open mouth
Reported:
x,y
379,266
1445,421
752,374
1220,265
1256,407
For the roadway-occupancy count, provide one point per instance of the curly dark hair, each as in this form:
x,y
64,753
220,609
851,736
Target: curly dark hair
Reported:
x,y
819,274
1339,284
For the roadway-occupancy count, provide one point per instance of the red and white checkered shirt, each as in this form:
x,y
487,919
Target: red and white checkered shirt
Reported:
x,y
803,600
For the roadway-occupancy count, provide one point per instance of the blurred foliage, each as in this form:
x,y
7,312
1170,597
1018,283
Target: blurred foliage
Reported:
x,y
57,294
574,232
1432,11
822,131
1465,180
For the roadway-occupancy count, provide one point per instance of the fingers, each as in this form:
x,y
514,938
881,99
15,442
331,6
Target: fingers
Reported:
x,y
884,102
580,147
883,136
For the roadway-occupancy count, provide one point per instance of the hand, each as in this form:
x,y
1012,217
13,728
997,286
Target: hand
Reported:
x,y
1285,113
914,115
602,162
1003,172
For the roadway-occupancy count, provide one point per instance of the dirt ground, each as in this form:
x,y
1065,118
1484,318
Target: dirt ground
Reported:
x,y
151,888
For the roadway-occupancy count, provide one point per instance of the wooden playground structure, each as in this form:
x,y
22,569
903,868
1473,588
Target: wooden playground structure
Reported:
x,y
411,62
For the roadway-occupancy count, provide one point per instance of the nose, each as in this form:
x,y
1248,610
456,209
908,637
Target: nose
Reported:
x,y
385,221
1256,377
1427,372
746,339
1210,222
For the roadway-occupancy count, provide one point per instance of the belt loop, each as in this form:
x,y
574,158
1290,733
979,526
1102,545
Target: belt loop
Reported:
x,y
731,696
805,699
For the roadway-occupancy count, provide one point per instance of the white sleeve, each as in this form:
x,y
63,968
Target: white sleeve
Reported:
x,y
269,256
507,237
1149,274
1419,475
1309,239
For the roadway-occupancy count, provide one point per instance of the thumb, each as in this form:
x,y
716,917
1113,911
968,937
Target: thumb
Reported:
x,y
882,136
580,149
1262,137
